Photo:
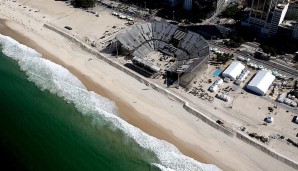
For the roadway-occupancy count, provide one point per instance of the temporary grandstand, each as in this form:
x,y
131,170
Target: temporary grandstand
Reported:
x,y
165,48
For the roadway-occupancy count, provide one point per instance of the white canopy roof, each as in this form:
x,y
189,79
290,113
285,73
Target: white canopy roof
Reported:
x,y
261,82
233,70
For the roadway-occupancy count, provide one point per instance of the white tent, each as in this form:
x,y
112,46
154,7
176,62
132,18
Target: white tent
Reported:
x,y
269,119
234,70
215,85
261,82
296,120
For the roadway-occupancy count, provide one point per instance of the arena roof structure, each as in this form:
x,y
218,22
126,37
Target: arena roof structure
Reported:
x,y
261,82
188,48
233,70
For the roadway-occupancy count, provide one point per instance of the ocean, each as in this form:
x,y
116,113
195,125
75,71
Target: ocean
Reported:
x,y
49,121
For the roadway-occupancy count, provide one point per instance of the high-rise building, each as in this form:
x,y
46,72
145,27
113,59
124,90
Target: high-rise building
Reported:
x,y
292,13
220,5
262,9
171,2
295,30
266,15
279,14
288,28
260,15
187,5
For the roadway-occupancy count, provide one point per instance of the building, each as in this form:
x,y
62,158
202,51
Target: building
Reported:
x,y
266,15
188,51
234,70
187,5
289,28
171,2
292,13
261,82
295,30
277,18
220,4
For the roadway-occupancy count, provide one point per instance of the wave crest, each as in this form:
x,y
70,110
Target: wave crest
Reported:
x,y
59,81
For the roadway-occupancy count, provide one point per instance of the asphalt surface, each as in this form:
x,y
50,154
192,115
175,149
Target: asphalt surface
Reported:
x,y
282,69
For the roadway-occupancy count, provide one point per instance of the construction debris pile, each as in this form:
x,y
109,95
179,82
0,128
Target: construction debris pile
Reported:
x,y
201,93
259,137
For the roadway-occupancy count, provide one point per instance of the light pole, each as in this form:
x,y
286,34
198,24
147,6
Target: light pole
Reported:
x,y
173,15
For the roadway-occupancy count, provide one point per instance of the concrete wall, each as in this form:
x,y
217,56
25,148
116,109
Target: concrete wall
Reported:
x,y
263,148
228,131
223,128
140,78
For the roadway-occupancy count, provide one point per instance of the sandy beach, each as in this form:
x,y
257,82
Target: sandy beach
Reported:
x,y
138,104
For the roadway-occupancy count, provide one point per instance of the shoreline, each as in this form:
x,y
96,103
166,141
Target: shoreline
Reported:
x,y
191,136
226,130
126,112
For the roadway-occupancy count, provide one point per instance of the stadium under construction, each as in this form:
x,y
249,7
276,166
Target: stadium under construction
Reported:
x,y
163,48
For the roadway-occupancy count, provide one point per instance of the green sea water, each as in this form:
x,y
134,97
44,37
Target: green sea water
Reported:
x,y
40,131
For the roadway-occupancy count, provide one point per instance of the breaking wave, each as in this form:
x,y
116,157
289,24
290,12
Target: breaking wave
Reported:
x,y
59,81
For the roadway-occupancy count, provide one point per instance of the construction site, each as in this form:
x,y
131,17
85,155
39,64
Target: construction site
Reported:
x,y
163,49
254,100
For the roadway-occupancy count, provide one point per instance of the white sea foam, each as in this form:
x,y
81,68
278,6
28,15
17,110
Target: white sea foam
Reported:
x,y
58,80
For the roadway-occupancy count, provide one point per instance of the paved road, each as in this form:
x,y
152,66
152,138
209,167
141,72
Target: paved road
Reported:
x,y
285,70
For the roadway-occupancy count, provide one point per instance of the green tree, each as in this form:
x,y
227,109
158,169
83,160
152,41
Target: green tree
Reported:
x,y
232,43
233,12
269,50
223,58
240,39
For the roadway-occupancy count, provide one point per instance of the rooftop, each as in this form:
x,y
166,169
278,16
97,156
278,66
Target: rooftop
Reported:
x,y
261,81
288,23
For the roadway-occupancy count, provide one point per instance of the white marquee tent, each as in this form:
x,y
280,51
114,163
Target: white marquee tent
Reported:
x,y
234,70
261,82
